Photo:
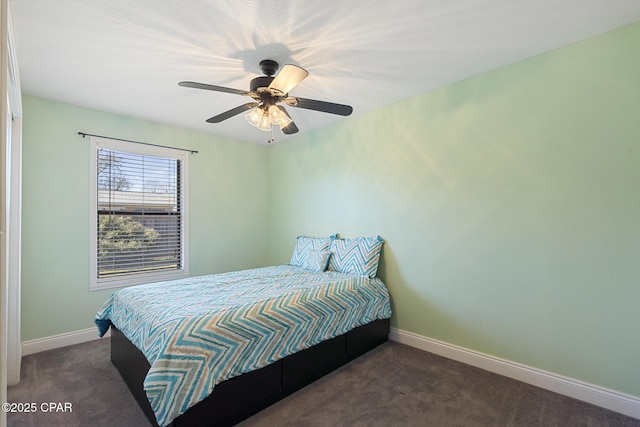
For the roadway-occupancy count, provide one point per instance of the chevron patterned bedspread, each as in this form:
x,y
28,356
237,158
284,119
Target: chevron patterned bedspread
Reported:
x,y
200,331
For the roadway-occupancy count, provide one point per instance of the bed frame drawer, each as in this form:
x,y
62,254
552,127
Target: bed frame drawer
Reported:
x,y
232,401
302,368
366,337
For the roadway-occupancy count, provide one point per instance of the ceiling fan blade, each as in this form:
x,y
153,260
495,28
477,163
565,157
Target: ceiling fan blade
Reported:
x,y
312,104
196,85
288,78
291,127
233,112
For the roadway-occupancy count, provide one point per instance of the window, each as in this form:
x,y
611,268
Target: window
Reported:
x,y
138,213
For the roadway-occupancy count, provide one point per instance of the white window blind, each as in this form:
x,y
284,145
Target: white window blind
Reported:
x,y
139,208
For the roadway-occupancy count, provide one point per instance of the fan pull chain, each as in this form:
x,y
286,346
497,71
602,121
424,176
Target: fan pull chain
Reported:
x,y
270,140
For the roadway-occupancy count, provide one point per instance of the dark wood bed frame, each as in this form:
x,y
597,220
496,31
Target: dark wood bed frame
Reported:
x,y
238,398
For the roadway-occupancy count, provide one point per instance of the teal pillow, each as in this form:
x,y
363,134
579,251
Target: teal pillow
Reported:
x,y
316,261
304,246
359,255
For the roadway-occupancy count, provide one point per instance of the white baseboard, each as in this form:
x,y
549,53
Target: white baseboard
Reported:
x,y
61,340
596,395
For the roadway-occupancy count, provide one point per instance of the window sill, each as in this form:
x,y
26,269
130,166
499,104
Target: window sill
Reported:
x,y
137,279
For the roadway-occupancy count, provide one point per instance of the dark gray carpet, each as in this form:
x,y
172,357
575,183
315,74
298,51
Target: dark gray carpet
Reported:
x,y
390,386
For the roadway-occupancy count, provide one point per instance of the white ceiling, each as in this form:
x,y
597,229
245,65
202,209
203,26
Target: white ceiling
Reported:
x,y
127,57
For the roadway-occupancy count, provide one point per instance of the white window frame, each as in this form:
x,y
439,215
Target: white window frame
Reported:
x,y
96,283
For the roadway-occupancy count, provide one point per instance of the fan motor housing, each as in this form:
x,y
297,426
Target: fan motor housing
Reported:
x,y
258,82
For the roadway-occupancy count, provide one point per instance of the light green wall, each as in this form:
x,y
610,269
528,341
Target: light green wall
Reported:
x,y
510,206
228,211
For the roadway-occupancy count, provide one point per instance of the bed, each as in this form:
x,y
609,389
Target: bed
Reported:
x,y
213,350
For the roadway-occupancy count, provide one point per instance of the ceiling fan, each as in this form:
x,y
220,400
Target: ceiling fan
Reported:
x,y
267,91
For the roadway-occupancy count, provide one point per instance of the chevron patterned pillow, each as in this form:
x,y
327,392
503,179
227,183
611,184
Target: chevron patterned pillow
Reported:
x,y
359,255
316,261
304,245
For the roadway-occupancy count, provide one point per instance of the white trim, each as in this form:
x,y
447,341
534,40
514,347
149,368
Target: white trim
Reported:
x,y
14,259
13,152
60,340
596,395
13,76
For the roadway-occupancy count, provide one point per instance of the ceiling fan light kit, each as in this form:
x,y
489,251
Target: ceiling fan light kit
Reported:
x,y
264,117
278,116
258,118
267,91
